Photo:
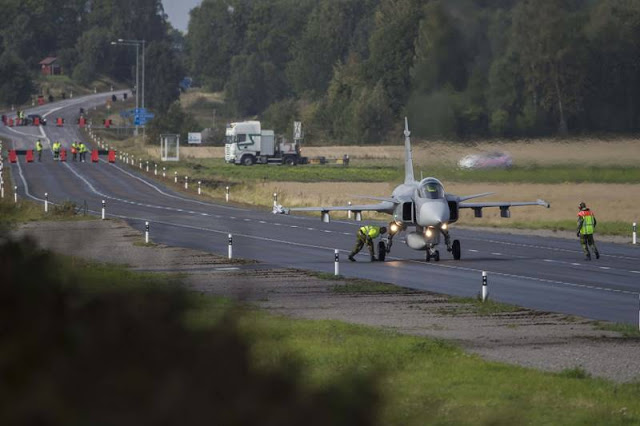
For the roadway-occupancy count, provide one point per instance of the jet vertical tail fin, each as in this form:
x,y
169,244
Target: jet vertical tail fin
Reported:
x,y
408,159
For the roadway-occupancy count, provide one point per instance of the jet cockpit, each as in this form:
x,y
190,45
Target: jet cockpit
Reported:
x,y
431,188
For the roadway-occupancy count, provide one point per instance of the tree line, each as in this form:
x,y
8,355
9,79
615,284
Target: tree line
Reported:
x,y
351,69
79,33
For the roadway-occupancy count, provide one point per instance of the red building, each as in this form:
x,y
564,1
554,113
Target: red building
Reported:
x,y
50,66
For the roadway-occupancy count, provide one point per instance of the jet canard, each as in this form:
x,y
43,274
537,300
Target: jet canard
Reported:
x,y
424,206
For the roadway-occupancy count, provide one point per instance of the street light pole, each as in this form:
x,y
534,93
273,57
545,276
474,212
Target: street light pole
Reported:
x,y
139,88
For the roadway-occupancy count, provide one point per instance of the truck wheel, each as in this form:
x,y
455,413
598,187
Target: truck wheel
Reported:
x,y
290,161
247,160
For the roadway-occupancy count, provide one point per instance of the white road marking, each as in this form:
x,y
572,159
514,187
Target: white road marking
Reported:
x,y
497,254
473,251
576,264
604,267
262,221
635,272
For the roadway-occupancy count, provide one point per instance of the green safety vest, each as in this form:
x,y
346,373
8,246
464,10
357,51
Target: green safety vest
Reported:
x,y
38,146
82,148
587,225
370,231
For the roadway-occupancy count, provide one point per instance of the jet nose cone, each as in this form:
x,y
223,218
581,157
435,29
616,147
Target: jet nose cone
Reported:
x,y
433,213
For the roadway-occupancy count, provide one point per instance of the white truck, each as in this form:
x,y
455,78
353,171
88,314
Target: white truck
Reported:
x,y
247,144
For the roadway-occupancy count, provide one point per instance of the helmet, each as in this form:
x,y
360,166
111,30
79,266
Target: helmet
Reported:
x,y
383,229
582,205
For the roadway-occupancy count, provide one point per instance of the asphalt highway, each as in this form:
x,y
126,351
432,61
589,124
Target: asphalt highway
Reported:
x,y
536,272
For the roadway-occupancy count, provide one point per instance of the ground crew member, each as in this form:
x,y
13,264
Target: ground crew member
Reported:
x,y
82,150
56,150
586,227
74,151
366,235
39,149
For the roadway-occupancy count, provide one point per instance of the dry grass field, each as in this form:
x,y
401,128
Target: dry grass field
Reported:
x,y
610,202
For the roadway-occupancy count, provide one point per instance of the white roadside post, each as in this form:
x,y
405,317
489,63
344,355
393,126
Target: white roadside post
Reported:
x,y
147,166
635,234
199,190
146,232
186,182
175,177
15,194
140,163
336,262
349,212
485,287
103,210
227,195
155,169
275,199
46,202
230,251
2,190
164,172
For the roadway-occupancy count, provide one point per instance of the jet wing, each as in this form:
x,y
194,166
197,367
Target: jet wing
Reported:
x,y
384,207
504,204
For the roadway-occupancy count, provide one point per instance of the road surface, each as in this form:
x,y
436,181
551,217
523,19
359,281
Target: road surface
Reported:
x,y
535,272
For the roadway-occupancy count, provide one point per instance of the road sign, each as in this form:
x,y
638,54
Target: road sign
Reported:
x,y
194,138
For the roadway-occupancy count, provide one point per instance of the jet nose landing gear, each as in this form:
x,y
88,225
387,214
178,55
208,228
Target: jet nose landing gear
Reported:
x,y
432,253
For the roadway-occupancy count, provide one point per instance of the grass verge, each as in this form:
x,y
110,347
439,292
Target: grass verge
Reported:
x,y
417,380
626,330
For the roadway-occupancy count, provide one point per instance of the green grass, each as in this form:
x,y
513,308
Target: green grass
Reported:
x,y
627,330
420,381
469,305
216,169
430,381
372,171
29,211
356,286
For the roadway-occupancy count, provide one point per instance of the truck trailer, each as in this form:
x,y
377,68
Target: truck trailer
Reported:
x,y
246,143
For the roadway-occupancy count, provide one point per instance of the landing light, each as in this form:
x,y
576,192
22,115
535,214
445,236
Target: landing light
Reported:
x,y
394,228
444,226
428,233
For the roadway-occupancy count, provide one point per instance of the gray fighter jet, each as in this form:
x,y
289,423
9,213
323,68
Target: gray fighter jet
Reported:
x,y
424,205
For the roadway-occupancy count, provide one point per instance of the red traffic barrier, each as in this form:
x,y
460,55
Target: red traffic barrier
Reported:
x,y
59,122
82,121
63,154
10,121
29,156
94,156
40,100
107,123
13,157
112,156
36,121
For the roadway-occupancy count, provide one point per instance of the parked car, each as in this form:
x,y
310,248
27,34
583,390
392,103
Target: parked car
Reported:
x,y
488,160
31,118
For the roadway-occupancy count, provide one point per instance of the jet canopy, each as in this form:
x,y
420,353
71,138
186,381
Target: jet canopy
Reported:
x,y
430,188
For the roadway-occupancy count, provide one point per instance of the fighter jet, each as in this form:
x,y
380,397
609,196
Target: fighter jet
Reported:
x,y
423,206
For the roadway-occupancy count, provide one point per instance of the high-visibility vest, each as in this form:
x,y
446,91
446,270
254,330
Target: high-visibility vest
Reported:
x,y
82,148
370,231
38,146
587,222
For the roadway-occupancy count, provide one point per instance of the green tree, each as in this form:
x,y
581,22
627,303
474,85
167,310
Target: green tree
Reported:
x,y
164,72
547,36
16,85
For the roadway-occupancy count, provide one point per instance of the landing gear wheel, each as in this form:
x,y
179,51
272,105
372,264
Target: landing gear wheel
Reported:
x,y
382,251
436,256
456,249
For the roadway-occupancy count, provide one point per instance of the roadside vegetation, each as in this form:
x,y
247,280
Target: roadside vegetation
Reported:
x,y
86,327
